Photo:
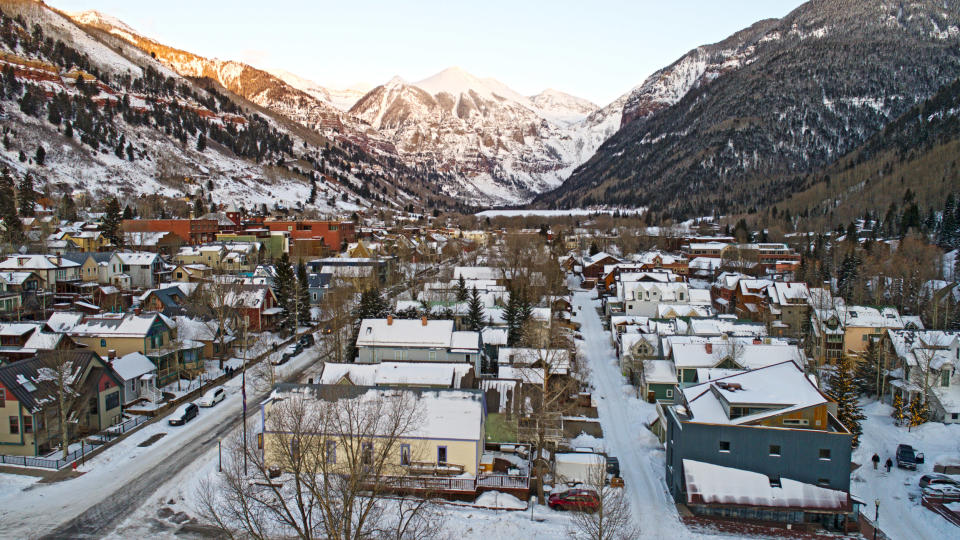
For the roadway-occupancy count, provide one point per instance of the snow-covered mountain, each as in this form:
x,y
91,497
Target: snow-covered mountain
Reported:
x,y
341,98
501,146
478,140
139,127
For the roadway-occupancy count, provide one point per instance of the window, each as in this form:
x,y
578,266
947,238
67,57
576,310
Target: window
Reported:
x,y
796,422
28,424
441,455
825,454
93,405
331,451
3,398
724,446
669,393
945,378
103,343
775,450
775,481
366,455
295,450
404,454
112,401
432,356
14,425
953,416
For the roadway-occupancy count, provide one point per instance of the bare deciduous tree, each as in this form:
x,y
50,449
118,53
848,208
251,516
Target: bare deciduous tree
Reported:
x,y
613,518
339,451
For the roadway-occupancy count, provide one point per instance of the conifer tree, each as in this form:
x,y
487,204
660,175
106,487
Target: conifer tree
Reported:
x,y
128,212
198,207
303,294
27,196
844,392
593,248
8,210
283,284
474,318
919,412
462,292
40,156
898,412
866,371
111,225
68,208
201,142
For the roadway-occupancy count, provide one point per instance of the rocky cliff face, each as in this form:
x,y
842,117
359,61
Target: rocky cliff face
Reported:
x,y
735,126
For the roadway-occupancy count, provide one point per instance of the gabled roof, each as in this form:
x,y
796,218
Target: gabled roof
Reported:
x,y
405,333
128,325
132,366
33,381
138,259
783,388
36,262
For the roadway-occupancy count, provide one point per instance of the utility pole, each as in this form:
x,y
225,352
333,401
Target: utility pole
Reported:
x,y
243,392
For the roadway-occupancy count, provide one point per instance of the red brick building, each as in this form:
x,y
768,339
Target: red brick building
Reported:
x,y
335,234
191,231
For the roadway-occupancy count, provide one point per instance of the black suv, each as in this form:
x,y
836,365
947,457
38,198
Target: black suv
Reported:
x,y
907,457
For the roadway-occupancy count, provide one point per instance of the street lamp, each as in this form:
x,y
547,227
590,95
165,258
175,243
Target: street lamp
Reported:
x,y
876,518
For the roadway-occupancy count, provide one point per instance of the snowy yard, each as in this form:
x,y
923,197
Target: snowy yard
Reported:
x,y
901,515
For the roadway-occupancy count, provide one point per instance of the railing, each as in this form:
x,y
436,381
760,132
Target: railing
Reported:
x,y
502,481
463,485
430,483
108,434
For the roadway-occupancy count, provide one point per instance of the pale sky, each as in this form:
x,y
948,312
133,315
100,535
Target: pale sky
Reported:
x,y
595,49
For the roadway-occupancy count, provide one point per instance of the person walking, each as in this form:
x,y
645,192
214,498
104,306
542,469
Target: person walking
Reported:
x,y
876,461
889,464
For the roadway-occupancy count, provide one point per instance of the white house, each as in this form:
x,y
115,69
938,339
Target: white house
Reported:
x,y
141,268
139,376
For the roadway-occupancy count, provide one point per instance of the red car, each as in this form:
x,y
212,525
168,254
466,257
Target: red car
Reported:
x,y
584,500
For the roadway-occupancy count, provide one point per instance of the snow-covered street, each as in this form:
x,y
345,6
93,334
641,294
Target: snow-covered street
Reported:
x,y
901,515
122,478
624,419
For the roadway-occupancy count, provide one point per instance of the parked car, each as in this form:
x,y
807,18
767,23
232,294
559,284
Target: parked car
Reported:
x,y
582,500
613,466
289,352
305,341
907,457
937,480
212,397
183,414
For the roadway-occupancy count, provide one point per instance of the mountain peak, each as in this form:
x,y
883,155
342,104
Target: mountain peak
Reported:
x,y
95,18
453,80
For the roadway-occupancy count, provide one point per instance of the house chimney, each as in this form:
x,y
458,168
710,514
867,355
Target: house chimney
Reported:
x,y
112,354
136,311
389,320
756,341
423,320
709,347
59,260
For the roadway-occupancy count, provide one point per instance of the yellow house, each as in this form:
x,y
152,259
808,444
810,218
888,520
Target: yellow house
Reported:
x,y
88,241
862,324
153,335
446,439
191,272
